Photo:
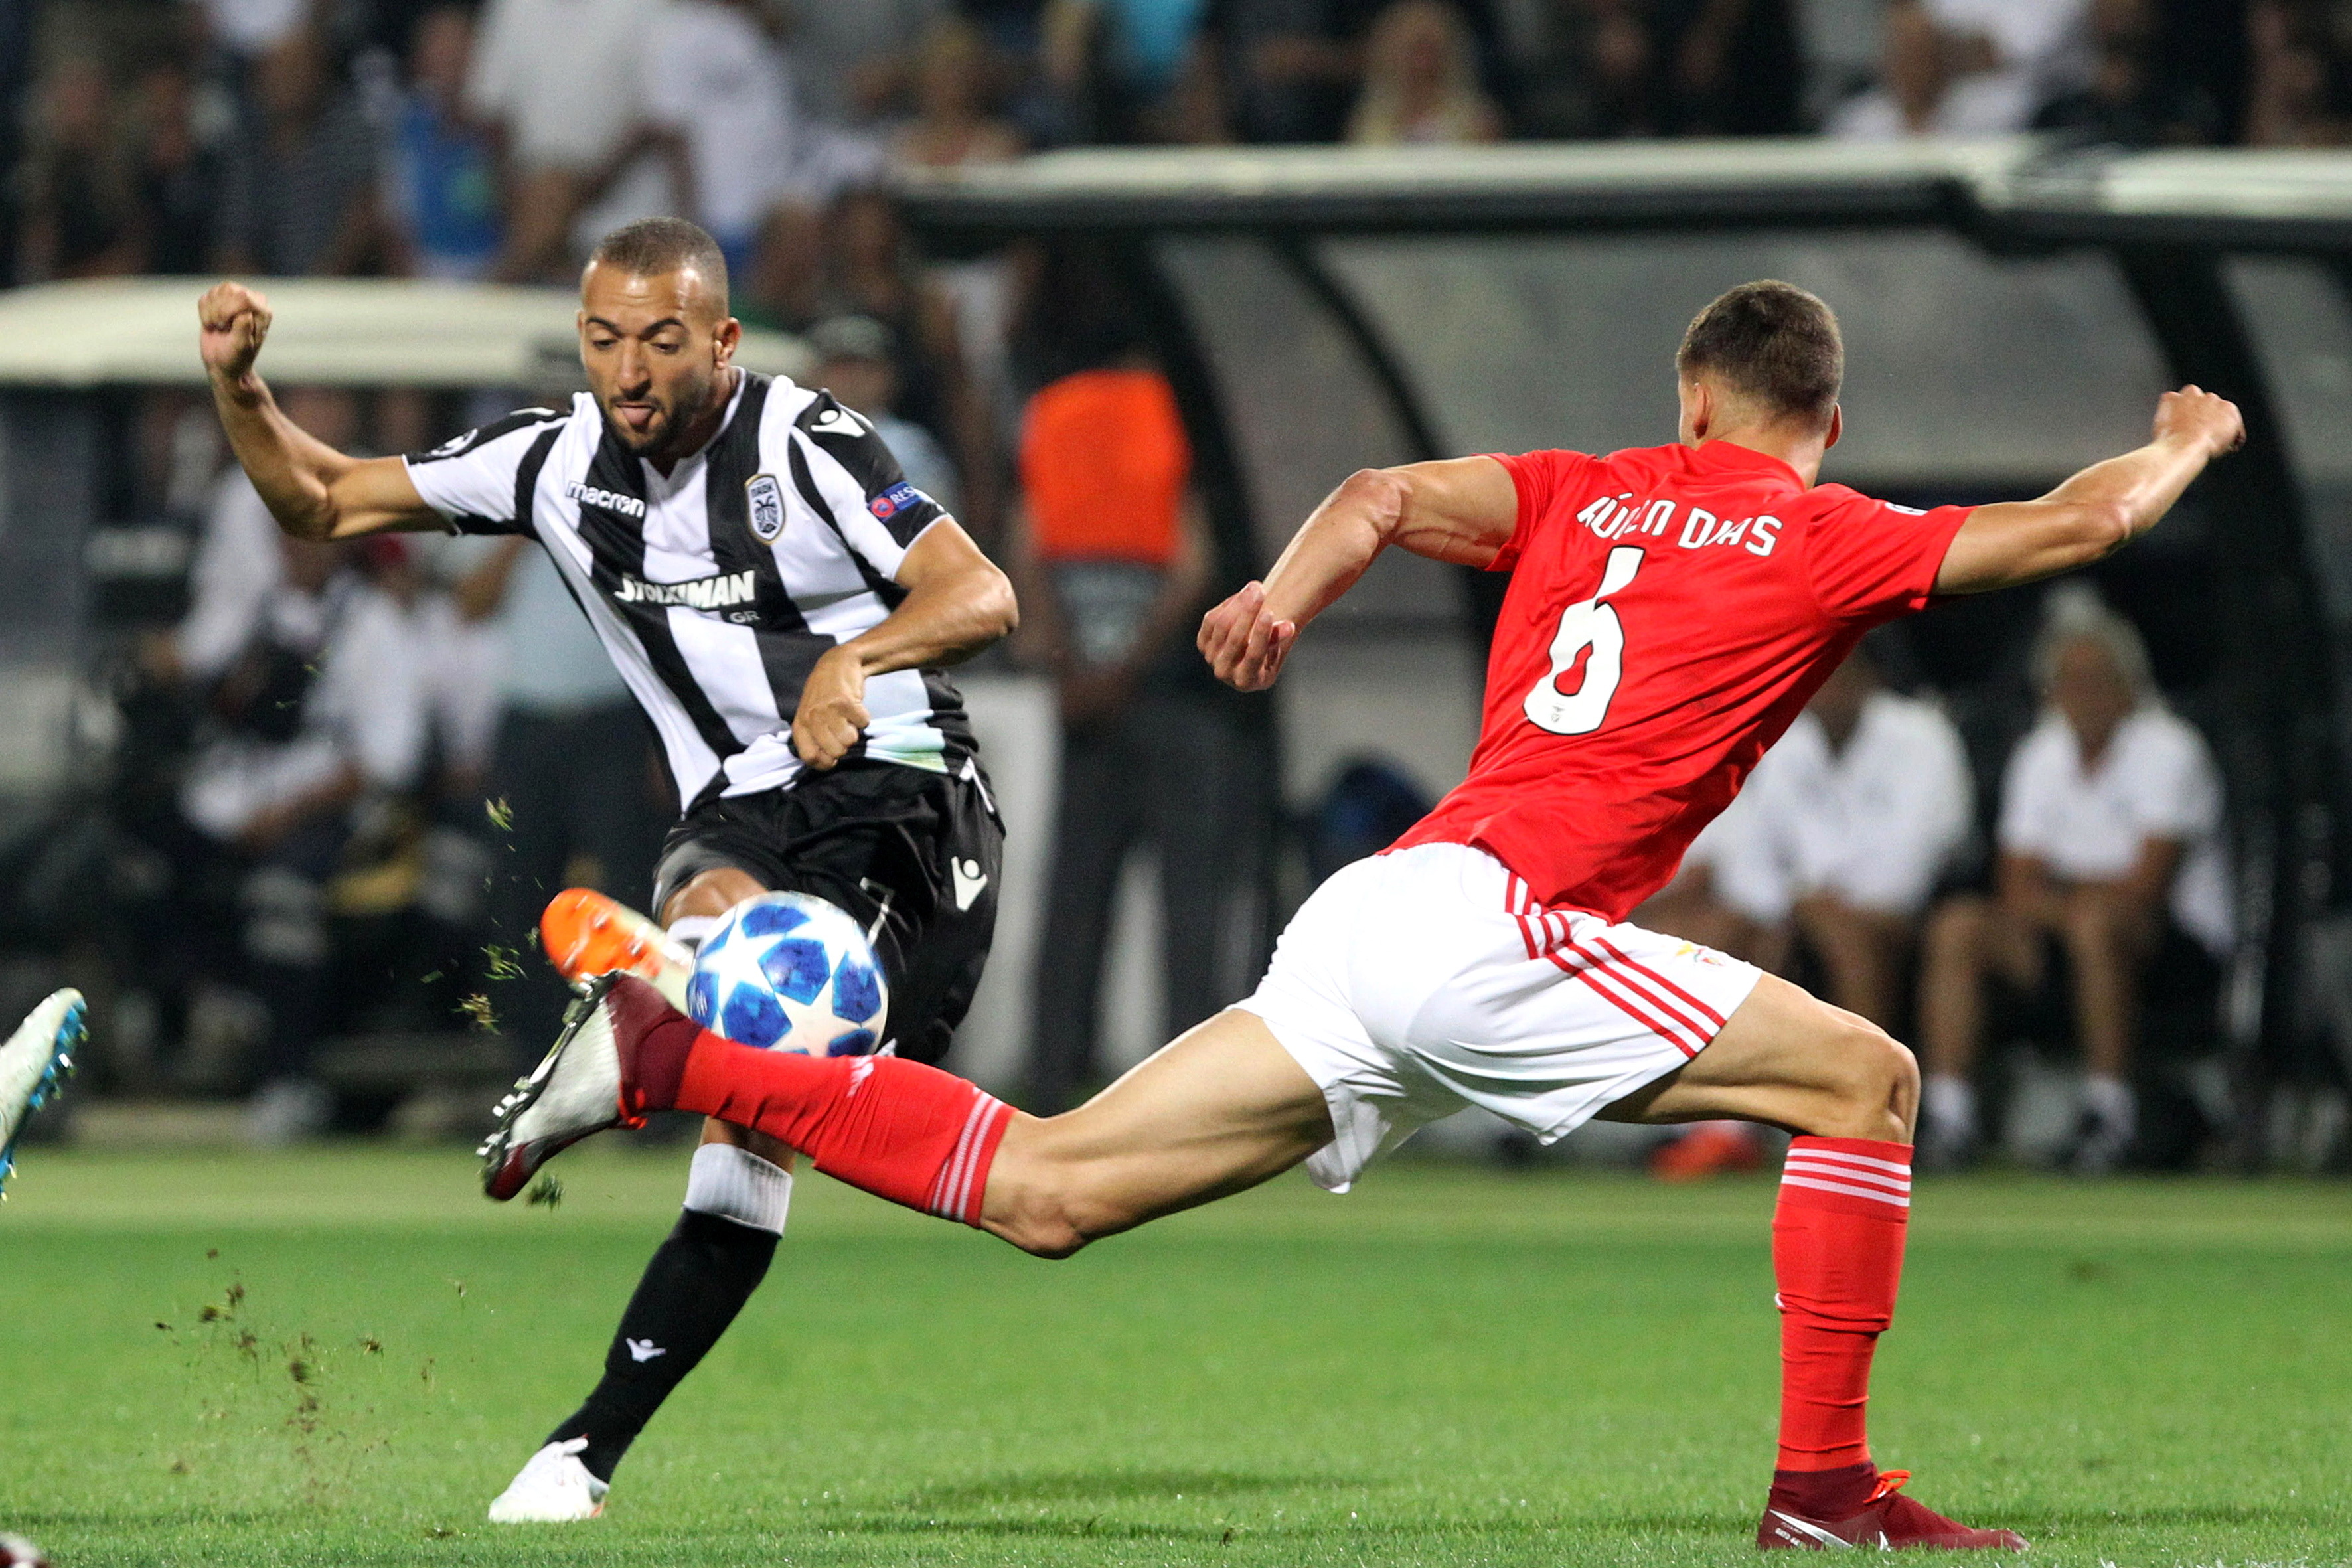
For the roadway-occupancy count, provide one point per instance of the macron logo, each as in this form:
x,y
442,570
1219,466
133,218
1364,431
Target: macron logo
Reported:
x,y
611,501
642,1350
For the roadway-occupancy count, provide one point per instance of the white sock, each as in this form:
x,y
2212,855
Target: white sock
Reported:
x,y
735,1183
2111,1100
1950,1103
690,932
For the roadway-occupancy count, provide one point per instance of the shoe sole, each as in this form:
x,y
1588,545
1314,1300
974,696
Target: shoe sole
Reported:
x,y
71,1034
508,1166
585,933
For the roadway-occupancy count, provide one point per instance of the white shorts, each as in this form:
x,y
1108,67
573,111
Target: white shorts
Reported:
x,y
1416,983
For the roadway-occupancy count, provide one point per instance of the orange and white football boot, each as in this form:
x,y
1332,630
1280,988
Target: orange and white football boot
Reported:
x,y
584,934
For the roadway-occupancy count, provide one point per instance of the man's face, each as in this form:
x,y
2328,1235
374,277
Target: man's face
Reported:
x,y
2090,690
656,350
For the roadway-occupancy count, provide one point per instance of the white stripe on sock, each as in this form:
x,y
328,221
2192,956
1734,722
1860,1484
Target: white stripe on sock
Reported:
x,y
1901,1203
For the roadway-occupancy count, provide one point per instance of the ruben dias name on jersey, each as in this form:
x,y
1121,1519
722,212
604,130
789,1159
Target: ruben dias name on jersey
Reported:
x,y
716,589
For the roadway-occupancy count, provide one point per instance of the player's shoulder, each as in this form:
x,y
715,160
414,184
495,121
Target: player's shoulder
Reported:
x,y
482,436
2155,734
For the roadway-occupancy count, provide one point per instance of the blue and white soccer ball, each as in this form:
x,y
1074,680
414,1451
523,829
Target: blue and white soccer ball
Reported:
x,y
790,971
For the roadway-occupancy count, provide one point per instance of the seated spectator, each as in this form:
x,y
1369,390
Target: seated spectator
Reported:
x,y
179,173
719,98
301,196
1851,819
1964,68
563,81
954,122
857,362
443,180
1834,844
319,710
1112,552
1420,81
2110,863
80,208
2129,101
2302,68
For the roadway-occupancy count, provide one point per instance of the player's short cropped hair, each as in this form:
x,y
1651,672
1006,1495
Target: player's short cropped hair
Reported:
x,y
1772,341
653,246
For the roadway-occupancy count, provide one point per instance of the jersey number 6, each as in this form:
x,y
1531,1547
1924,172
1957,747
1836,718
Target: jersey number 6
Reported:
x,y
1587,624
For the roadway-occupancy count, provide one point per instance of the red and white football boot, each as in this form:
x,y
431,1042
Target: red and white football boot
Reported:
x,y
1888,1522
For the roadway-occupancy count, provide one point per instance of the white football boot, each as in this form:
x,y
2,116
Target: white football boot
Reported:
x,y
553,1488
33,1064
574,1092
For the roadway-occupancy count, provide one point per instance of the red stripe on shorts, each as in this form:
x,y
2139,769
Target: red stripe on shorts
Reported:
x,y
1629,1000
1711,1016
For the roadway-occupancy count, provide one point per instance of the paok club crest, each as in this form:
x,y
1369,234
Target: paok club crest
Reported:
x,y
767,499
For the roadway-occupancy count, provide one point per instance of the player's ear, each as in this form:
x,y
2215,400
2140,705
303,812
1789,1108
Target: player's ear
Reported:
x,y
724,339
1837,426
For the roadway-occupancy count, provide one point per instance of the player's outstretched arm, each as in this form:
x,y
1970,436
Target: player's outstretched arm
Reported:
x,y
957,602
2100,510
313,490
1461,510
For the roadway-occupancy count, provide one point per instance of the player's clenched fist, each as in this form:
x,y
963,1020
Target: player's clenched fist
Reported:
x,y
832,713
1244,644
232,322
2192,414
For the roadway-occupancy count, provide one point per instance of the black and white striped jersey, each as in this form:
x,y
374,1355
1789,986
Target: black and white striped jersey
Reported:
x,y
717,587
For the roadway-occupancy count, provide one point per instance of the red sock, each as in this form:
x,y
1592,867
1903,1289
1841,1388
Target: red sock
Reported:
x,y
1837,1255
898,1129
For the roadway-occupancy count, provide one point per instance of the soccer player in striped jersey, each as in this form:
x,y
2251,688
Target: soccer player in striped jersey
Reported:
x,y
784,605
1671,611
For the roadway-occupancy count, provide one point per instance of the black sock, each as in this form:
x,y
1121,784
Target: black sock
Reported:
x,y
697,1280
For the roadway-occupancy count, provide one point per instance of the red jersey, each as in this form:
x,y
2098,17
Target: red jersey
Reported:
x,y
1671,610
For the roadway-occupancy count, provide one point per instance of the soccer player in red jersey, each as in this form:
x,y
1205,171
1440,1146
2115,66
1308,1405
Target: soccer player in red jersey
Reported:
x,y
1671,610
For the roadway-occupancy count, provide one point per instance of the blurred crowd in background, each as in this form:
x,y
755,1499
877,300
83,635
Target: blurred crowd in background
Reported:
x,y
342,137
353,775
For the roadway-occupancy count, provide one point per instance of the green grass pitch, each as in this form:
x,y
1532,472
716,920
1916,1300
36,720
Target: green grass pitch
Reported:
x,y
1446,1367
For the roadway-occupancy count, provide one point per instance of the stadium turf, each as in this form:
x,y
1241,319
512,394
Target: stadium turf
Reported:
x,y
337,1358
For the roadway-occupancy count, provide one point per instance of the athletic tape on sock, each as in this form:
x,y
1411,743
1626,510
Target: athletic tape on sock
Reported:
x,y
735,1183
690,932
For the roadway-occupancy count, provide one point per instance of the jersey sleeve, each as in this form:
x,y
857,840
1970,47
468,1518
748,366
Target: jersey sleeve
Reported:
x,y
847,472
1871,560
1545,480
476,480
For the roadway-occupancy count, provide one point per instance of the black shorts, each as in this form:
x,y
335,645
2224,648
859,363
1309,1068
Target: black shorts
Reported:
x,y
921,853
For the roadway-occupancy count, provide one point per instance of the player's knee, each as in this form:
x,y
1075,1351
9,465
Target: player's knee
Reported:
x,y
1876,1082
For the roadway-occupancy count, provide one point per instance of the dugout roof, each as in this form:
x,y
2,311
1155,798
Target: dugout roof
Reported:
x,y
359,333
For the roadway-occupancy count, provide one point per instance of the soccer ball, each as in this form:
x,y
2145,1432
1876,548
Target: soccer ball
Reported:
x,y
790,971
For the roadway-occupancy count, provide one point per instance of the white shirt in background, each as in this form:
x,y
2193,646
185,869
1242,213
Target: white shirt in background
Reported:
x,y
365,708
564,77
1876,824
2155,780
238,566
715,78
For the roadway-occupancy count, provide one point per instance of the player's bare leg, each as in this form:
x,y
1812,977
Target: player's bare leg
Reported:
x,y
1218,1112
708,1268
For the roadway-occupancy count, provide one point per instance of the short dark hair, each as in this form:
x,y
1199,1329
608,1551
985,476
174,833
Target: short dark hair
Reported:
x,y
653,246
1772,341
